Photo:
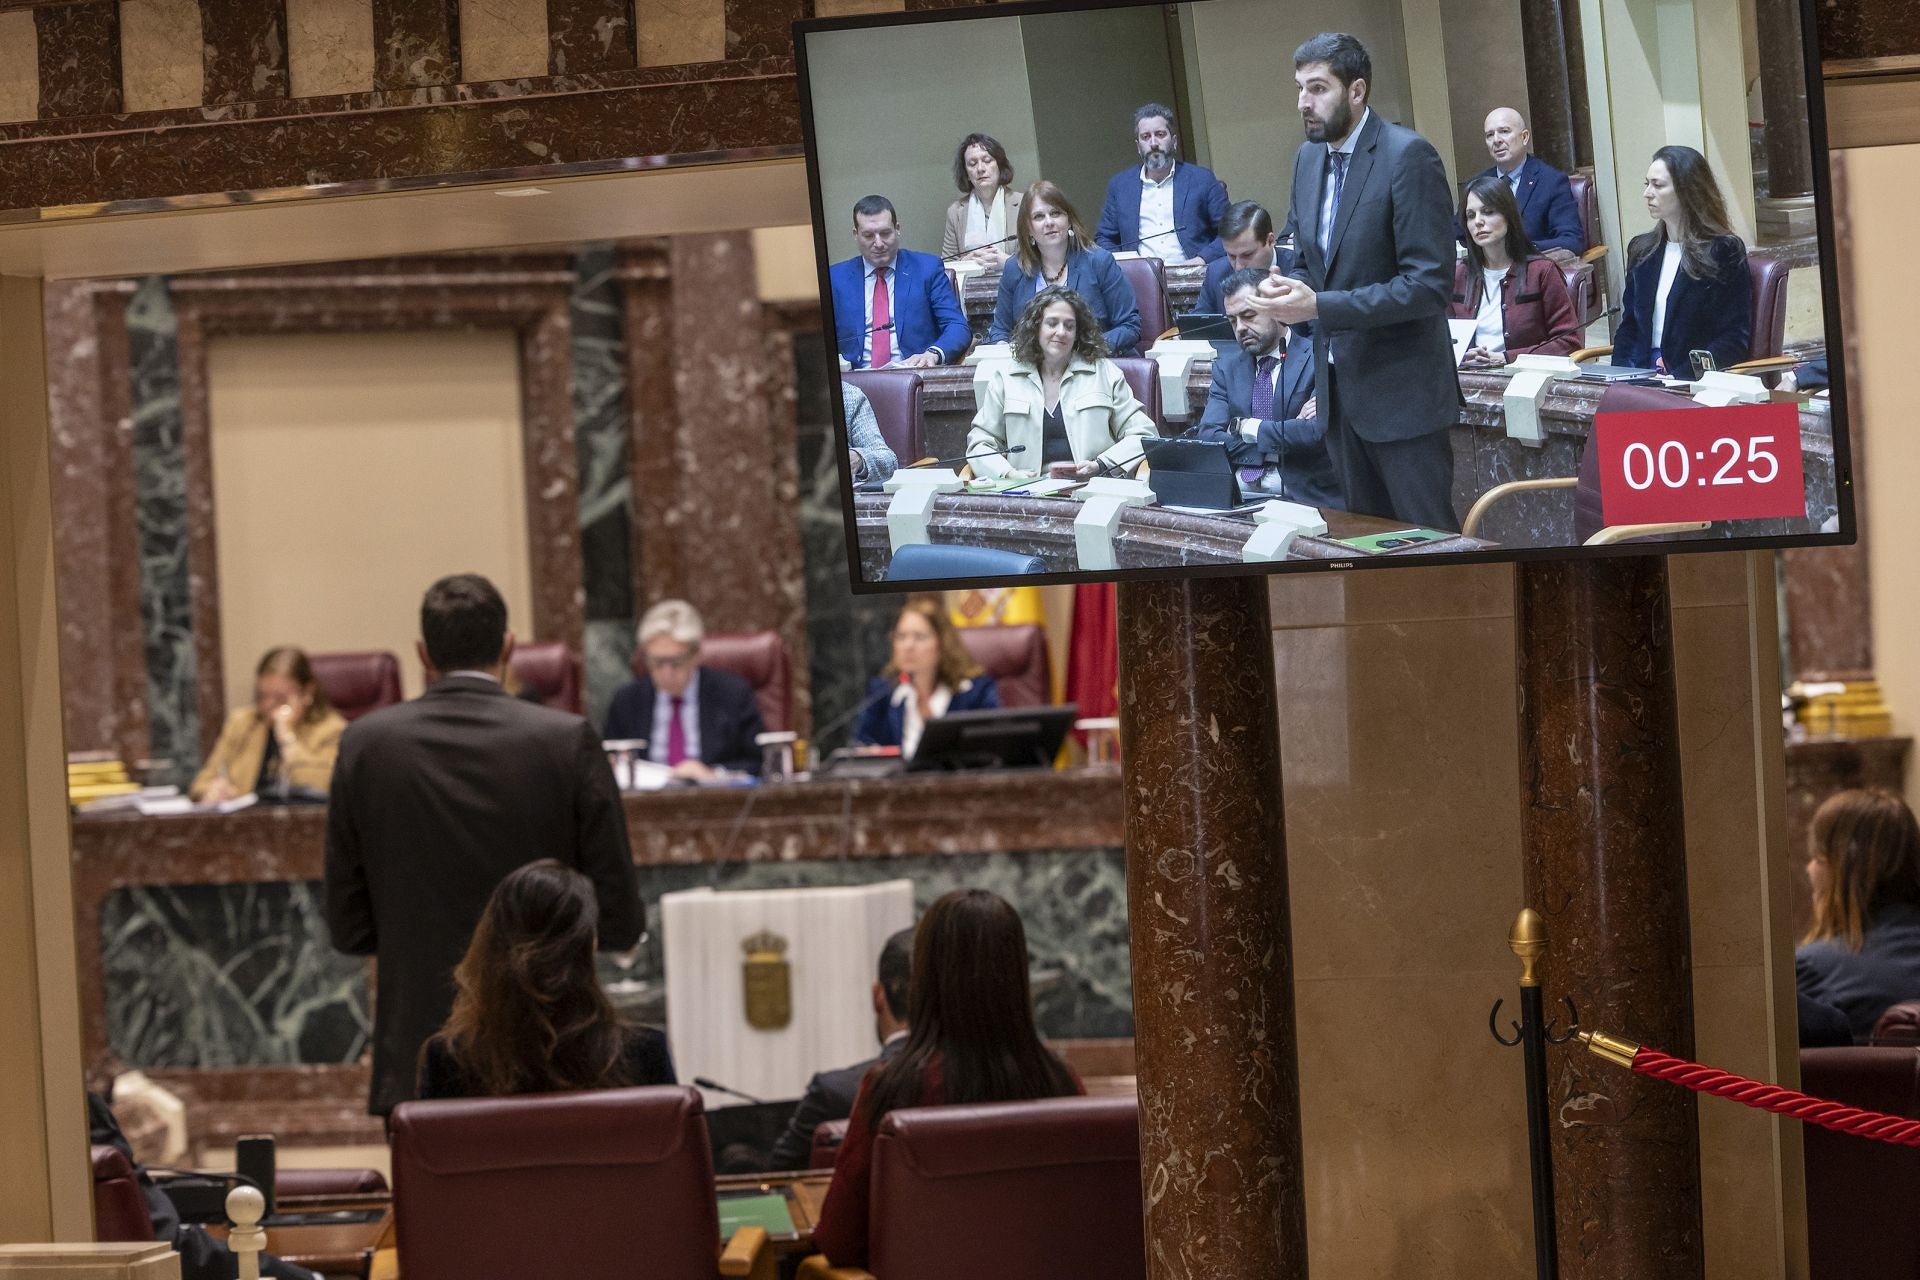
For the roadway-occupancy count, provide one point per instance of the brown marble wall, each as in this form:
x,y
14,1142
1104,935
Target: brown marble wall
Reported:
x,y
79,59
590,35
416,43
1869,28
246,50
762,28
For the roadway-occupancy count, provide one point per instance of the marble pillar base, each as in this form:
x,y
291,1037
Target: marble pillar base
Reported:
x,y
1778,218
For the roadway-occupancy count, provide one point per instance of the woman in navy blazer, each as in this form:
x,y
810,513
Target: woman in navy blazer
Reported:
x,y
1687,283
1055,249
930,675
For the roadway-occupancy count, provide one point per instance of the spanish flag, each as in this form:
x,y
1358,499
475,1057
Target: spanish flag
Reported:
x,y
996,606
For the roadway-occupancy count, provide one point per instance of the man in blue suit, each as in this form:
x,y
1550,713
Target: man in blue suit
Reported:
x,y
1165,208
1547,211
892,305
1262,406
1247,237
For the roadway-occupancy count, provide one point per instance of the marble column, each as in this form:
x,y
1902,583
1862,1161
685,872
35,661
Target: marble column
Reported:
x,y
1605,862
245,57
1221,1164
590,35
79,47
1549,103
1783,99
416,43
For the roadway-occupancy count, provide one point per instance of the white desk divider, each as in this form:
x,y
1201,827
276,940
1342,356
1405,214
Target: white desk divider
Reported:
x,y
1174,355
1719,389
1533,377
965,268
1276,525
987,353
1101,502
913,490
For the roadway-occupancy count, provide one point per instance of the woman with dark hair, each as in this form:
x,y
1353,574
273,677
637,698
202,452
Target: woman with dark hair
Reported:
x,y
1517,298
289,737
972,1039
986,217
1687,283
1056,252
1861,953
1064,407
931,674
528,1013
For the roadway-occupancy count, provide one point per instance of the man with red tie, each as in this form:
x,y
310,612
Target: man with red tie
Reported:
x,y
696,720
892,305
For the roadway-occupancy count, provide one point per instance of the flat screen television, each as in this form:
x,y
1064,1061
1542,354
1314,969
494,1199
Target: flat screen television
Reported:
x,y
1448,285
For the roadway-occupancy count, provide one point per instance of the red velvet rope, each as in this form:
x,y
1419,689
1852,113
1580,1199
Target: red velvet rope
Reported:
x,y
1771,1097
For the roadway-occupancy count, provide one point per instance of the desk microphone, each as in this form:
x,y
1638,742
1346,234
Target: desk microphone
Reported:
x,y
1172,231
952,257
704,1083
967,457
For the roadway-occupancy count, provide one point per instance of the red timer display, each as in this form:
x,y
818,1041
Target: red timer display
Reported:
x,y
1741,462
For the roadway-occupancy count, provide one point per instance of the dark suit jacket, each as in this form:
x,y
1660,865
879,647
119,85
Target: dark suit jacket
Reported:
x,y
729,718
882,723
1548,213
1213,284
1091,273
829,1096
1714,314
1298,444
925,312
1199,202
1537,311
644,1060
1384,282
434,801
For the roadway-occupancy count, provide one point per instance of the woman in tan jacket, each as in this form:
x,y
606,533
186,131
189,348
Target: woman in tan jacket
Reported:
x,y
1064,406
982,223
288,737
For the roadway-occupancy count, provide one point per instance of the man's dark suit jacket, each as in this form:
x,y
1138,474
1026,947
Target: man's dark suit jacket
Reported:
x,y
1548,213
829,1096
1298,444
926,314
1199,202
1383,283
433,802
1712,315
1211,301
729,718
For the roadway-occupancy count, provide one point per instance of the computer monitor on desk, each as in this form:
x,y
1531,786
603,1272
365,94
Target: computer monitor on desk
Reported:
x,y
997,738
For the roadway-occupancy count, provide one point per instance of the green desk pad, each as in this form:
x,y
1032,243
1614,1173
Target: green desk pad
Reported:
x,y
754,1209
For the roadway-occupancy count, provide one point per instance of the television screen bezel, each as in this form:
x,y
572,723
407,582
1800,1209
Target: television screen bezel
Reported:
x,y
1838,393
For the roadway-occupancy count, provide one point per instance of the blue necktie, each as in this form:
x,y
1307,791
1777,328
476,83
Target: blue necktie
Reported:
x,y
1339,161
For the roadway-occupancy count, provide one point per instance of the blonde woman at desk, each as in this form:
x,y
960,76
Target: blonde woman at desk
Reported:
x,y
1066,408
290,735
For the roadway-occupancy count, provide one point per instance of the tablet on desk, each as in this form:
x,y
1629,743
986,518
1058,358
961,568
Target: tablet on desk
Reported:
x,y
1204,326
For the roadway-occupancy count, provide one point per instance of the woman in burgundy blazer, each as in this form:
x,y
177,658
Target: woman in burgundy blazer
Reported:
x,y
1536,309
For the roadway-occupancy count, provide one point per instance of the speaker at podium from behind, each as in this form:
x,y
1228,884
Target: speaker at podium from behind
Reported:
x,y
829,1094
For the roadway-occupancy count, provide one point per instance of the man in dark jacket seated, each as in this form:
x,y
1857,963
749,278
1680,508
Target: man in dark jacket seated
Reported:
x,y
830,1094
1262,404
696,720
201,1256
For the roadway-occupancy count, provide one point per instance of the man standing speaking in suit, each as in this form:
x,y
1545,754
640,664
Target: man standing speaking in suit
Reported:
x,y
435,800
1374,259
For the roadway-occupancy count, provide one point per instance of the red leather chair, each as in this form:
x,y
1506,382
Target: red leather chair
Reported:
x,y
357,683
1589,292
827,1137
119,1205
1900,1024
1017,1191
1017,659
759,658
1148,277
895,397
599,1183
1769,276
1860,1193
1143,379
551,670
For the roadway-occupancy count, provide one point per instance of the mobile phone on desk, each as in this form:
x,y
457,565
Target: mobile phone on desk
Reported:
x,y
253,1160
1703,363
